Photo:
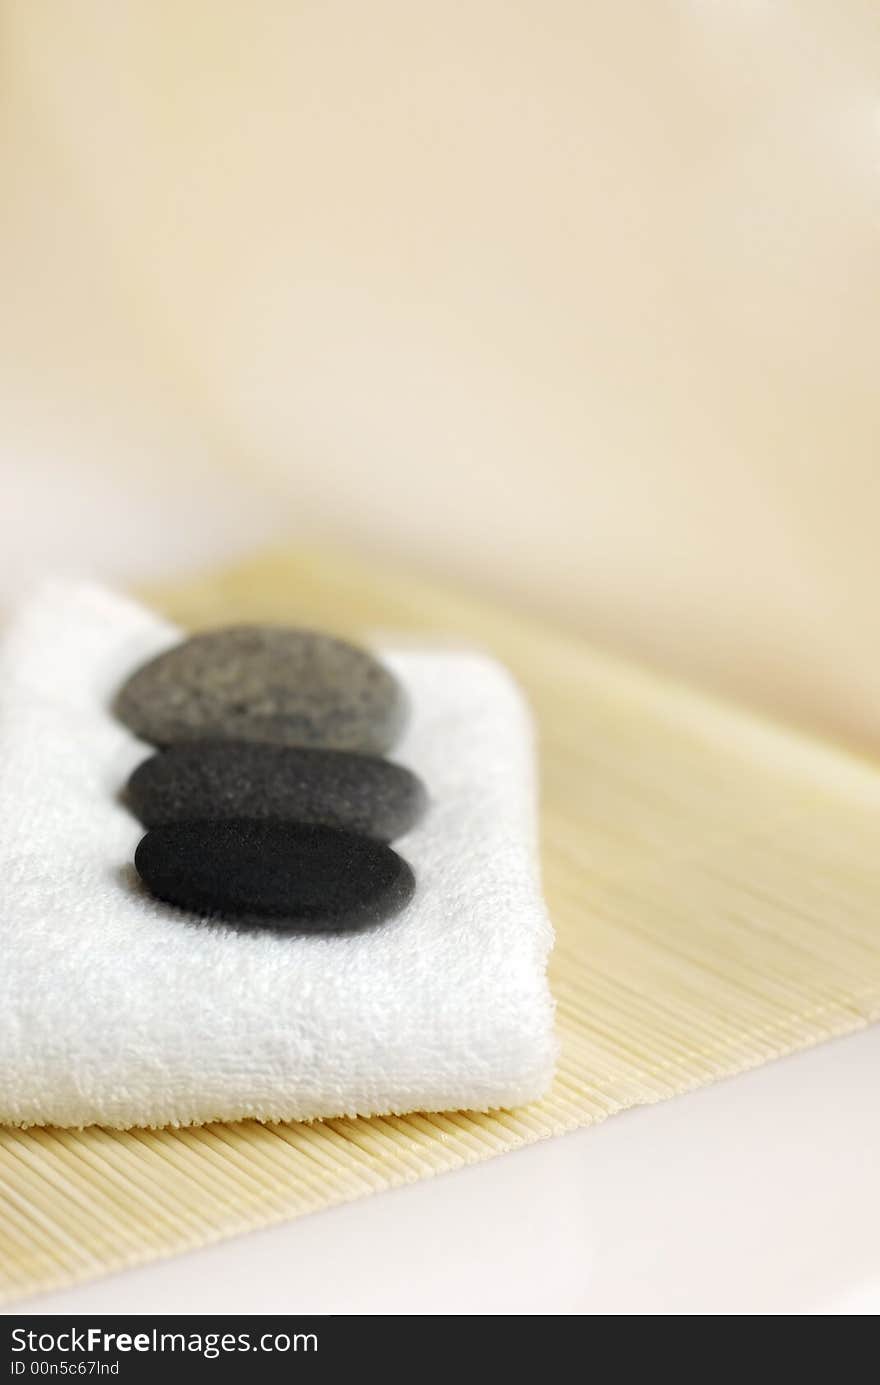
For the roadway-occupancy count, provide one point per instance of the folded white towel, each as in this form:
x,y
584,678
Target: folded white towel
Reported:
x,y
119,1010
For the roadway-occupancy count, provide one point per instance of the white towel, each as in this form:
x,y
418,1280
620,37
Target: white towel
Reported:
x,y
119,1010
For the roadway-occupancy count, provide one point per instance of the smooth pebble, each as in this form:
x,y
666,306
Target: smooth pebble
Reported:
x,y
242,779
278,874
265,683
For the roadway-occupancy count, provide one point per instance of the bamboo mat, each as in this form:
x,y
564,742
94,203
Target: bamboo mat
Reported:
x,y
714,882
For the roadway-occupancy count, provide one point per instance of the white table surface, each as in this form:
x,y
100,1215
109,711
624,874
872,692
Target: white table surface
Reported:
x,y
759,1195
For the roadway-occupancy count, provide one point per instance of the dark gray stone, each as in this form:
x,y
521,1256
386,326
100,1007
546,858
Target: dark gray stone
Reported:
x,y
277,874
265,683
241,779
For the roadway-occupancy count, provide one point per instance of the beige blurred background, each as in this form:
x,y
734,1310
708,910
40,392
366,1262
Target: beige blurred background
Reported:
x,y
573,301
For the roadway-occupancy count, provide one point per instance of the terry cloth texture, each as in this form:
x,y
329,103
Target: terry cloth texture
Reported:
x,y
118,1010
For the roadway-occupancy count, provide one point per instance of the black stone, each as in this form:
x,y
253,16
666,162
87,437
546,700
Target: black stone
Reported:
x,y
277,874
242,779
265,683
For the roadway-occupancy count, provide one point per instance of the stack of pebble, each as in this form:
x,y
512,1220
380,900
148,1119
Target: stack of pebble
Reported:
x,y
269,801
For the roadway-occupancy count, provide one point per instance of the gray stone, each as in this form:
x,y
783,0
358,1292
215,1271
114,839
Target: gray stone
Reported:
x,y
265,683
243,779
278,874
